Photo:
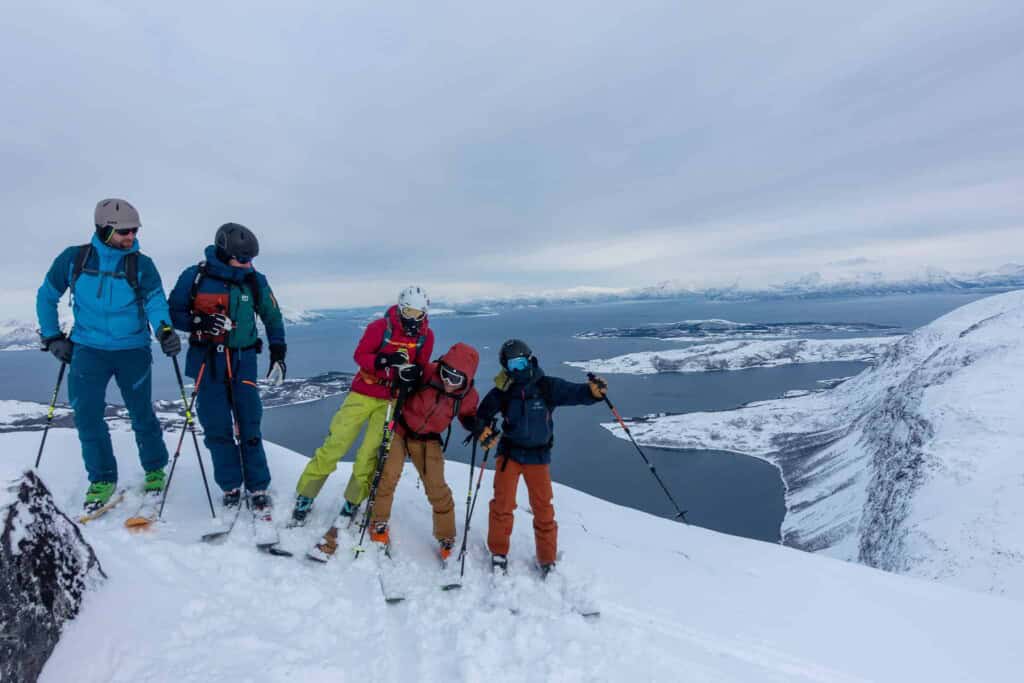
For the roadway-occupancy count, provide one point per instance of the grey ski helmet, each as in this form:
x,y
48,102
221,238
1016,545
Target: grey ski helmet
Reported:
x,y
513,348
111,214
237,241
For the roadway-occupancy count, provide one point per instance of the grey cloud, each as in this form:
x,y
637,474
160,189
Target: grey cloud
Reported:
x,y
454,141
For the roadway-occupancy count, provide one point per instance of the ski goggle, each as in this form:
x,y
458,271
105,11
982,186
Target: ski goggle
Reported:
x,y
452,377
243,259
518,363
126,231
410,313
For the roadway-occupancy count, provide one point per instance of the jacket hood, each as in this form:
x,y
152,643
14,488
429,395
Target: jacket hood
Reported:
x,y
463,358
222,270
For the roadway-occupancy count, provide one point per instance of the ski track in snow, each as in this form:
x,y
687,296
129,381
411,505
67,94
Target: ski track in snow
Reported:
x,y
677,602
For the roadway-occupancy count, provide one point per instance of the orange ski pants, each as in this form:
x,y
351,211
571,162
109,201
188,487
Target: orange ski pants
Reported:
x,y
538,483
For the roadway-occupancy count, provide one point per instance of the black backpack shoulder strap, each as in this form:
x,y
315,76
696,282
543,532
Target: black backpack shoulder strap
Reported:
x,y
131,269
455,416
388,331
254,289
131,275
196,281
81,258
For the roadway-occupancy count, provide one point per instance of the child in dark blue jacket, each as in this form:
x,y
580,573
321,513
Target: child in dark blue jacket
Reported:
x,y
526,399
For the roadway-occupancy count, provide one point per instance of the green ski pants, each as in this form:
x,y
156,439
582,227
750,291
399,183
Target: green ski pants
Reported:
x,y
346,424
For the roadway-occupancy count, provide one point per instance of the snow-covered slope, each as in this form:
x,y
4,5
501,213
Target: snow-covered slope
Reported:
x,y
678,603
740,355
913,466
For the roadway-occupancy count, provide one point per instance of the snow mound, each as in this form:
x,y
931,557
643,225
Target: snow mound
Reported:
x,y
677,602
740,355
913,466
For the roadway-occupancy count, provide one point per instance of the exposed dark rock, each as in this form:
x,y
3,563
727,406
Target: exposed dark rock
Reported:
x,y
45,568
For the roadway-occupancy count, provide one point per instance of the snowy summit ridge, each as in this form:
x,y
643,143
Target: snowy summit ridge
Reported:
x,y
913,466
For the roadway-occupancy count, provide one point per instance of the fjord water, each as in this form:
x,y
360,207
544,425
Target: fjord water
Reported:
x,y
727,492
723,491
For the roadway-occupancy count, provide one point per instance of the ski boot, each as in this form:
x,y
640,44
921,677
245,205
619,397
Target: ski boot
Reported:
x,y
499,563
546,569
349,510
98,494
260,502
300,513
155,480
446,545
231,499
379,533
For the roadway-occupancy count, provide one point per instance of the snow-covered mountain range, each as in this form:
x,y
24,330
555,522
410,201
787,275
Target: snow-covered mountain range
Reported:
x,y
811,285
677,602
914,466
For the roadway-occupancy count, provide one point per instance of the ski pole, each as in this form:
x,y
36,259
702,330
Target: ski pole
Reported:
x,y
49,414
472,507
622,423
189,425
469,487
393,411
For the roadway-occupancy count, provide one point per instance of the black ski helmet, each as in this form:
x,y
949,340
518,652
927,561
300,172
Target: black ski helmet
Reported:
x,y
236,241
513,348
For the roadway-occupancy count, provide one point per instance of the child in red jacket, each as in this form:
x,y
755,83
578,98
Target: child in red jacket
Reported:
x,y
446,392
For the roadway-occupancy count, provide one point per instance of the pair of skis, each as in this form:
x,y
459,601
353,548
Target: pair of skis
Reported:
x,y
393,584
267,538
143,517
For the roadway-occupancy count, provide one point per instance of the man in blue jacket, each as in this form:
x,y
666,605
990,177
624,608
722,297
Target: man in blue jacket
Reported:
x,y
116,296
218,301
526,399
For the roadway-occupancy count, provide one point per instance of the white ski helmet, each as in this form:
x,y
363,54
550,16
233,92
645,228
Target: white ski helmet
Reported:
x,y
414,297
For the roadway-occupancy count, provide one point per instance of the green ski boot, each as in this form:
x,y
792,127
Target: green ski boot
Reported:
x,y
99,494
155,481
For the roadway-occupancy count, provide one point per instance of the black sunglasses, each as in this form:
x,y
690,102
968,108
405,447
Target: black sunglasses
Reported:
x,y
126,231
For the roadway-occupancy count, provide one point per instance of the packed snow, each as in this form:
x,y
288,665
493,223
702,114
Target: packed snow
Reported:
x,y
677,602
740,355
913,466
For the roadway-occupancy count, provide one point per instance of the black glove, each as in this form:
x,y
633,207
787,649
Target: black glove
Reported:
x,y
214,324
386,360
60,346
169,342
278,370
408,376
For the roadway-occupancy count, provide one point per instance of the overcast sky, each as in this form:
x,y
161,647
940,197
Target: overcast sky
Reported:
x,y
489,148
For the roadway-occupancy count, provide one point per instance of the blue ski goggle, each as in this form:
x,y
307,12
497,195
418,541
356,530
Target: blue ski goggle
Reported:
x,y
518,363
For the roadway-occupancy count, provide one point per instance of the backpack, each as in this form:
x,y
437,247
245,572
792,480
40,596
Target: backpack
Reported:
x,y
130,274
202,272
